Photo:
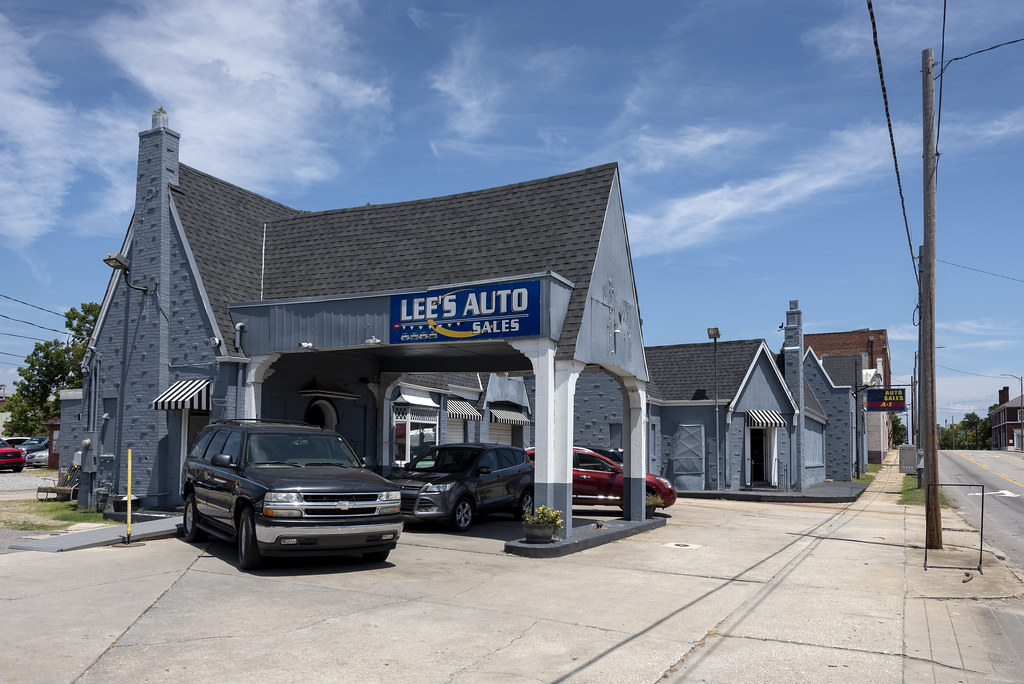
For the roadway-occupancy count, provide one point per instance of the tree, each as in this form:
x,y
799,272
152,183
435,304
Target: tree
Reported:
x,y
51,367
899,431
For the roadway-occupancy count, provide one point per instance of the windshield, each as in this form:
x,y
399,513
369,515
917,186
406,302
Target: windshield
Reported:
x,y
282,448
444,460
34,441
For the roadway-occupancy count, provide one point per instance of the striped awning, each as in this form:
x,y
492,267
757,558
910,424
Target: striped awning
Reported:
x,y
462,410
185,394
509,417
765,418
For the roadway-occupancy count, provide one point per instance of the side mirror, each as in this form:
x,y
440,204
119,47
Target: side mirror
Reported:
x,y
484,470
223,461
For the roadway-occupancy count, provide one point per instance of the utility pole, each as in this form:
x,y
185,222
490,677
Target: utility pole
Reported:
x,y
929,427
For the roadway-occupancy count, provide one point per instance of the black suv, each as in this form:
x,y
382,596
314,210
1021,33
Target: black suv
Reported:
x,y
283,489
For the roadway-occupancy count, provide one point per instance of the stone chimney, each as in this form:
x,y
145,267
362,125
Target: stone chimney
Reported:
x,y
1004,395
793,360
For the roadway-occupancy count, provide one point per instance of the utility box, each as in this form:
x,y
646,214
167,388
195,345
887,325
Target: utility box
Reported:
x,y
908,459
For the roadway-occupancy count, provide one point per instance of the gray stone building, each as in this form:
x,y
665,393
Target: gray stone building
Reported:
x,y
228,305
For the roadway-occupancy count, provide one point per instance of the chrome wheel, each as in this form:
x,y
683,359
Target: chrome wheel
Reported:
x,y
462,517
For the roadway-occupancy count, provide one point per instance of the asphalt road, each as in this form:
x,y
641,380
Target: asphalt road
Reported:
x,y
1002,474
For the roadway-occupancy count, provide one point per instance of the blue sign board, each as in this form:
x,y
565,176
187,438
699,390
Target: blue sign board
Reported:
x,y
479,312
890,399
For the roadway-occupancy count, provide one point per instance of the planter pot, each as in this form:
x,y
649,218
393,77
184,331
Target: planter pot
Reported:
x,y
649,513
121,504
538,534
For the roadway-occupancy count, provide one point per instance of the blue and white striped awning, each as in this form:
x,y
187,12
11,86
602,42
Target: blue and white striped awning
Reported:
x,y
765,418
185,394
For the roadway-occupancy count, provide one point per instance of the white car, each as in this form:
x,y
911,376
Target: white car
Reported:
x,y
37,450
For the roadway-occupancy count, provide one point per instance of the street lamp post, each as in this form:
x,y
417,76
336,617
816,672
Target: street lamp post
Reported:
x,y
713,335
1019,443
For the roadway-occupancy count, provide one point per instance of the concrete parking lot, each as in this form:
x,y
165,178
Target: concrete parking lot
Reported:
x,y
726,591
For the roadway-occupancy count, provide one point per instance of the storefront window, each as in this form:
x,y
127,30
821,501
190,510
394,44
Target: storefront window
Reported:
x,y
415,431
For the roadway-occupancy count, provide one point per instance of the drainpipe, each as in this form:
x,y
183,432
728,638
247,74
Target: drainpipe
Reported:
x,y
240,380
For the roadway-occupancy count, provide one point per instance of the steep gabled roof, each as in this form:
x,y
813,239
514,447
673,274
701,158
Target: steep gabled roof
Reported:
x,y
550,224
686,372
224,227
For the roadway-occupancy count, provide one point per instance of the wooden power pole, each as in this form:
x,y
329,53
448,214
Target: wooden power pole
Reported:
x,y
929,436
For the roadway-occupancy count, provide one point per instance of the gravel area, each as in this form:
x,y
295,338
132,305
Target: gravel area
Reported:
x,y
25,481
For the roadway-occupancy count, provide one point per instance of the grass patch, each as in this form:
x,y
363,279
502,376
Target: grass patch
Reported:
x,y
910,495
869,476
45,516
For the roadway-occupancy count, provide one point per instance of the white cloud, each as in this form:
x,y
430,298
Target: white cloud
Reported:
x,y
849,156
35,169
652,153
267,90
474,90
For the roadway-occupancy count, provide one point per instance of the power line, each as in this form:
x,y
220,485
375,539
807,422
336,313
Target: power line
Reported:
x,y
978,270
978,52
56,313
19,356
892,142
36,325
978,375
27,337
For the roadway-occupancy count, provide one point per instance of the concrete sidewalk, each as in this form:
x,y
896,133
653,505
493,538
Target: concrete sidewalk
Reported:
x,y
737,591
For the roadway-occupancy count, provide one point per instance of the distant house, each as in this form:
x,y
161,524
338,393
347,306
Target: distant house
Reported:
x,y
1007,419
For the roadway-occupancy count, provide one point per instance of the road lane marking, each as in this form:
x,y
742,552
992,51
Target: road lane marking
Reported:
x,y
968,458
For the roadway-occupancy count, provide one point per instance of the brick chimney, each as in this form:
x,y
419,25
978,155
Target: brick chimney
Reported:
x,y
1004,395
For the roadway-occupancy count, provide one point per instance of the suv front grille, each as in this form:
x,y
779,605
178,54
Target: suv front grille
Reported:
x,y
338,498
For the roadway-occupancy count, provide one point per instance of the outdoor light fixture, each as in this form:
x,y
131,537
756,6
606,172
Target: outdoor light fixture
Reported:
x,y
713,334
119,262
305,345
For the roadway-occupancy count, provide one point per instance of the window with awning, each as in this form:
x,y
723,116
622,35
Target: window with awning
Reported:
x,y
460,409
193,395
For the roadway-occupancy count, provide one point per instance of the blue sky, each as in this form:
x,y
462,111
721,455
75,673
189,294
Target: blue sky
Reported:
x,y
751,140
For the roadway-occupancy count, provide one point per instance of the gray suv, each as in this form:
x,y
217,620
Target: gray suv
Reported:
x,y
456,482
286,489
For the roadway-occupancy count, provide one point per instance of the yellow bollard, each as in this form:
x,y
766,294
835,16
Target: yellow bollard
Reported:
x,y
129,506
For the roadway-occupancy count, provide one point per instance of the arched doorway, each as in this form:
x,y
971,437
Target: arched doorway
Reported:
x,y
322,412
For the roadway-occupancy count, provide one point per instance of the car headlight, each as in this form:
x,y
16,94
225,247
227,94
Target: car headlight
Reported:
x,y
282,505
282,497
665,482
393,495
436,488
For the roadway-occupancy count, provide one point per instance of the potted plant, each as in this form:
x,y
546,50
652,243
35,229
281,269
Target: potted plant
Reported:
x,y
540,526
653,501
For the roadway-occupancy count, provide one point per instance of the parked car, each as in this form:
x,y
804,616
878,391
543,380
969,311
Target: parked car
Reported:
x,y
37,450
597,480
456,482
613,454
283,489
11,458
16,441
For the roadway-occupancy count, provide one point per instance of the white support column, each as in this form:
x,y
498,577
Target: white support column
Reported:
x,y
634,414
257,372
556,389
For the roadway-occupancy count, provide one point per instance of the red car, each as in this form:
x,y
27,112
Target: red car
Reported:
x,y
597,480
11,457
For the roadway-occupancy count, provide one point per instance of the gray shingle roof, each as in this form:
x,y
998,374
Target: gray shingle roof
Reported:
x,y
550,224
224,227
686,372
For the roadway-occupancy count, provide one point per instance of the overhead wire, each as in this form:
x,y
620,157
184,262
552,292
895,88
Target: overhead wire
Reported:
x,y
36,325
892,142
56,313
978,270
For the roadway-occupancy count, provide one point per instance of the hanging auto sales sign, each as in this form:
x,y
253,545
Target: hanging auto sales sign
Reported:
x,y
886,400
477,312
